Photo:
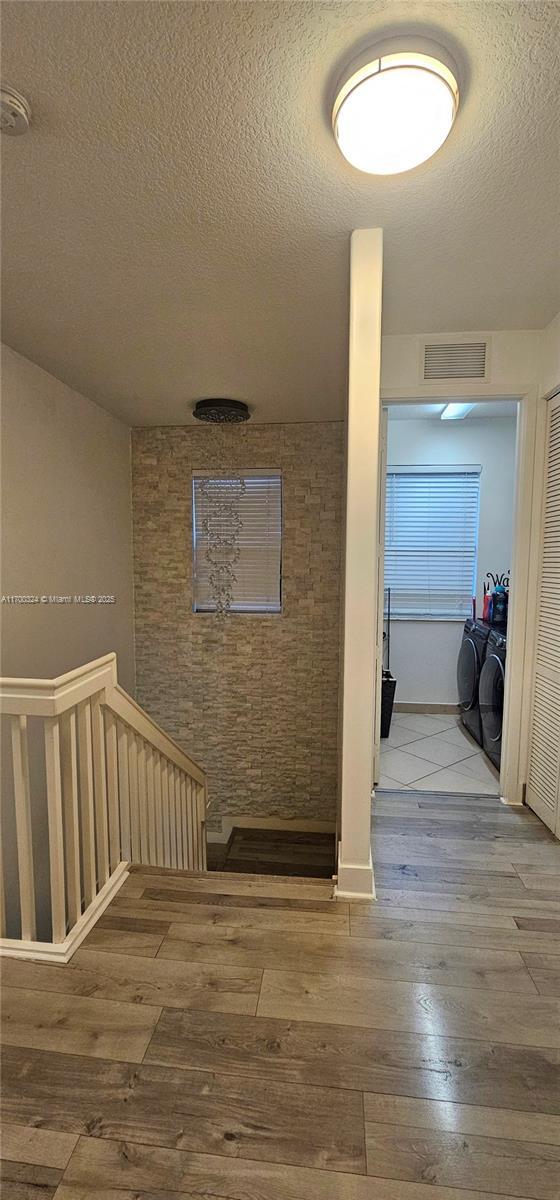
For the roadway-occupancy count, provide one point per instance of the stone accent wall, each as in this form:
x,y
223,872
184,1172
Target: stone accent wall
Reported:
x,y
253,698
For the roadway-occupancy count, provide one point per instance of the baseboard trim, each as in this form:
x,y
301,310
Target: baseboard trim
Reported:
x,y
405,706
355,880
61,952
287,825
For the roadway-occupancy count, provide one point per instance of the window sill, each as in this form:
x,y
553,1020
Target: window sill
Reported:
x,y
428,619
239,612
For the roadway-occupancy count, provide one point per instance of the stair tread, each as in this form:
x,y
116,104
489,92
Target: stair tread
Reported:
x,y
143,870
319,885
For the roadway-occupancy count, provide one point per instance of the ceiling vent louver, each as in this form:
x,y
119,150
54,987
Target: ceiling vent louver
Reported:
x,y
455,360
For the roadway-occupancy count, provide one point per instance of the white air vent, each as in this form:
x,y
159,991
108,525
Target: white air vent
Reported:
x,y
455,360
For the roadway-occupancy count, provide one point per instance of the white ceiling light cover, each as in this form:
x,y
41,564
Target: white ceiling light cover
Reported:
x,y
456,412
395,112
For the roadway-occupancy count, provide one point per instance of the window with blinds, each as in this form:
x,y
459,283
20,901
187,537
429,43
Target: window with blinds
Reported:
x,y
431,538
257,531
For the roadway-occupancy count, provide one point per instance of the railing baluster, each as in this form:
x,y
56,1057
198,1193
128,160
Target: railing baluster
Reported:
x,y
201,825
158,801
183,823
190,858
188,828
112,790
196,863
142,800
165,815
20,756
196,831
124,799
188,833
56,841
100,791
178,817
87,812
2,889
133,785
2,897
69,764
172,816
194,825
150,789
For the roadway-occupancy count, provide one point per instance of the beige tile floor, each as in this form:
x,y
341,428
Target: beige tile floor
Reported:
x,y
434,754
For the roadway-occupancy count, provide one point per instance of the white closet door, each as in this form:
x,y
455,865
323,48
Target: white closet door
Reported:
x,y
543,784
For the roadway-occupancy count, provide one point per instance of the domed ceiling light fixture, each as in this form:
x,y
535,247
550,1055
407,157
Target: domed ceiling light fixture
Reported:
x,y
15,111
395,106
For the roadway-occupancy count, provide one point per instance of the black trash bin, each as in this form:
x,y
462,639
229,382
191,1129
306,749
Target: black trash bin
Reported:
x,y
388,682
388,686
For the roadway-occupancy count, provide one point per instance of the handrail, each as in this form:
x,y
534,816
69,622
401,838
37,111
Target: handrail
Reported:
x,y
60,681
51,697
109,785
128,710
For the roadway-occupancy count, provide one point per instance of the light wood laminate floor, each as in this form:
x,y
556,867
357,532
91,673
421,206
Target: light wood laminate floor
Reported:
x,y
243,1038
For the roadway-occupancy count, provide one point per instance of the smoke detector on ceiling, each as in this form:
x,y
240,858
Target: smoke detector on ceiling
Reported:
x,y
15,111
221,412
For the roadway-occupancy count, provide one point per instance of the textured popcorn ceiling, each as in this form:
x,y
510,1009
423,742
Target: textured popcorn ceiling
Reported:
x,y
176,224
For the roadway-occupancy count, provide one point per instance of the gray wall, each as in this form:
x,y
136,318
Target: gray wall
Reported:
x,y
66,526
66,529
253,698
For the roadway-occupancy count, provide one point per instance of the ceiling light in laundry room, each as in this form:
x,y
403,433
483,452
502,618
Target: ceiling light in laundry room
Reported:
x,y
455,412
395,108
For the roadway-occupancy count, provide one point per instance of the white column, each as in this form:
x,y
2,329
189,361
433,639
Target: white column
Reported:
x,y
355,873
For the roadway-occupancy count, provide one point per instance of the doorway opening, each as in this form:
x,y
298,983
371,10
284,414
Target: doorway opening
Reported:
x,y
449,492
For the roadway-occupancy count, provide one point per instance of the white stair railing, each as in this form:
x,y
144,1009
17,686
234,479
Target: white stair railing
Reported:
x,y
90,784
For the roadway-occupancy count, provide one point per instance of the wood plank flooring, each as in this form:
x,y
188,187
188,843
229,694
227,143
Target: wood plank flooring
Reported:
x,y
250,1038
275,852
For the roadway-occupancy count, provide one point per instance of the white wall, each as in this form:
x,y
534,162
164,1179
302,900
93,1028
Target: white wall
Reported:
x,y
515,363
424,653
66,525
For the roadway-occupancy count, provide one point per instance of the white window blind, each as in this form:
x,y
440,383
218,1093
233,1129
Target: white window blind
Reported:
x,y
431,537
257,584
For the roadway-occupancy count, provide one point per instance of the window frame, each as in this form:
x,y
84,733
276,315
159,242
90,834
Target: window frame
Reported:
x,y
455,469
239,473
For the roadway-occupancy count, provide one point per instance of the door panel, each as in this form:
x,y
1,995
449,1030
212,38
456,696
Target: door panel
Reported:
x,y
543,783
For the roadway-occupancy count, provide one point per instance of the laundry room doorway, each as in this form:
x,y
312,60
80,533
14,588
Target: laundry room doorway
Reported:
x,y
448,546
